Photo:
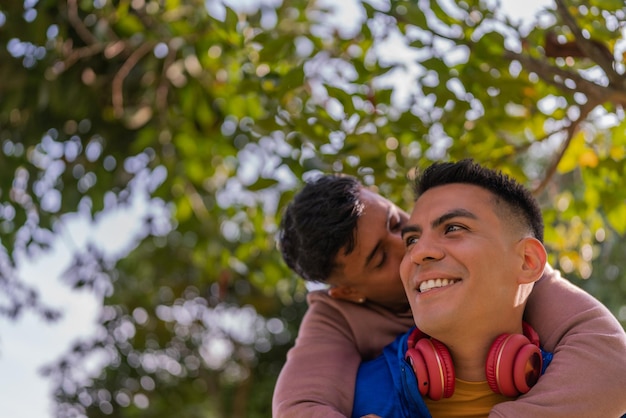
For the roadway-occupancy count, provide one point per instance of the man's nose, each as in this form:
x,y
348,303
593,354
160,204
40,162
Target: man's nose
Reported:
x,y
425,250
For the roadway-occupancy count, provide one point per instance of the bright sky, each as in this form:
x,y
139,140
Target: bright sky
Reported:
x,y
29,344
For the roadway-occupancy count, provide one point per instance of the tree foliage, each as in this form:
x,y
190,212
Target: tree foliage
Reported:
x,y
221,113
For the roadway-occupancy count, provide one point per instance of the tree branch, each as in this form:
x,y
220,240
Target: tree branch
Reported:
x,y
602,57
571,131
77,23
548,73
78,54
117,87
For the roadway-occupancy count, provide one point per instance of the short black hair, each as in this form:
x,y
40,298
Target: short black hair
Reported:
x,y
519,199
318,223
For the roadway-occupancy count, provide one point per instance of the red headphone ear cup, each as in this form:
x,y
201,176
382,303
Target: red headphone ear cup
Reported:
x,y
527,368
439,368
500,360
416,360
511,364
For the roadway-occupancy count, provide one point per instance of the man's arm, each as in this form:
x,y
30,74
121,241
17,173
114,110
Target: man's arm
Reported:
x,y
587,376
319,375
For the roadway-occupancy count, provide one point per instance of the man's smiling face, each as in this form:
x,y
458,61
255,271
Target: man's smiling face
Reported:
x,y
459,270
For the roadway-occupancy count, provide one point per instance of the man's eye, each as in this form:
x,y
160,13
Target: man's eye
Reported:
x,y
410,240
453,228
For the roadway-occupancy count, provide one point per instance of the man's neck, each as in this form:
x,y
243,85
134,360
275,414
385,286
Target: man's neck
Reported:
x,y
469,353
469,359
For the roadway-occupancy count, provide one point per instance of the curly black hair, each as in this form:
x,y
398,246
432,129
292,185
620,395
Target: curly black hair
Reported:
x,y
319,222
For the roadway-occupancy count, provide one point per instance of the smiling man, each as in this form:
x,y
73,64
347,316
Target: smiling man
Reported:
x,y
473,253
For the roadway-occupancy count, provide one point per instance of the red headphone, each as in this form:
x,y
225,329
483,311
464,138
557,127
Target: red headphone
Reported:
x,y
513,364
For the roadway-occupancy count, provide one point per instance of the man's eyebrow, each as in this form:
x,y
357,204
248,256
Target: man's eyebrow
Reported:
x,y
454,213
411,228
379,243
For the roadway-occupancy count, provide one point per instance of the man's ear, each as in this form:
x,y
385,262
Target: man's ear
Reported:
x,y
346,293
534,260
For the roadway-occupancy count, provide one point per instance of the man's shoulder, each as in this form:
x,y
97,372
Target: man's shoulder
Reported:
x,y
320,301
318,295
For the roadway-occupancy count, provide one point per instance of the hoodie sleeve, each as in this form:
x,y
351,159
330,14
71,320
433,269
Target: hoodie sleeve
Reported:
x,y
587,376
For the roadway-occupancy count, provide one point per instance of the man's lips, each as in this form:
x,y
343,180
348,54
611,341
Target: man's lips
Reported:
x,y
430,284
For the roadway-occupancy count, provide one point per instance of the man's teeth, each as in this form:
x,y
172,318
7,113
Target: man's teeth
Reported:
x,y
434,283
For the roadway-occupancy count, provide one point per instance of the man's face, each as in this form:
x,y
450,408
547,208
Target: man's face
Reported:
x,y
459,270
372,269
